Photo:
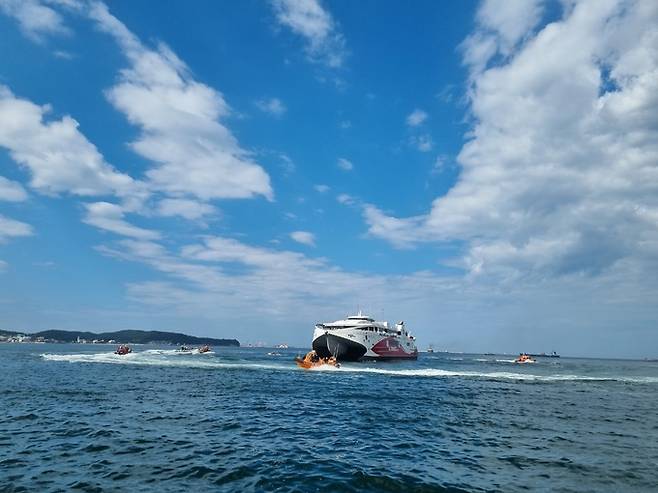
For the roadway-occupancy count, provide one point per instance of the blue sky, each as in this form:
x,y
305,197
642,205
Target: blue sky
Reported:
x,y
485,171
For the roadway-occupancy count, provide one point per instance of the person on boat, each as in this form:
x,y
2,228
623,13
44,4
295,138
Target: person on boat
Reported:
x,y
312,357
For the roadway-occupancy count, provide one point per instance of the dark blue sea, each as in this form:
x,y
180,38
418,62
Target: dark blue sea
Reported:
x,y
78,418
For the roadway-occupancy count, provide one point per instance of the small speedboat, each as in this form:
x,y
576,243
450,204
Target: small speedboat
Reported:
x,y
123,349
312,360
524,358
204,349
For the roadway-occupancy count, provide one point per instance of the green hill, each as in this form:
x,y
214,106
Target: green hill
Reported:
x,y
135,337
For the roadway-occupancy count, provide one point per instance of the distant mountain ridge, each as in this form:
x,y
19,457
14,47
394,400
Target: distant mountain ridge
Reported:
x,y
128,336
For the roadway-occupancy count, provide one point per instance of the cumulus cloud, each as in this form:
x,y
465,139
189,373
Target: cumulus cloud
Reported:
x,y
307,18
416,117
58,156
345,164
303,237
180,122
11,191
110,217
559,175
273,106
322,188
10,228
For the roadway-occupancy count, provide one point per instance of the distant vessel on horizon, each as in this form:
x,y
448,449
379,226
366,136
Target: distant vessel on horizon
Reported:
x,y
544,355
361,337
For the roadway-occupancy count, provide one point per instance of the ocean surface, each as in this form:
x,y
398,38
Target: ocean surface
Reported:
x,y
78,418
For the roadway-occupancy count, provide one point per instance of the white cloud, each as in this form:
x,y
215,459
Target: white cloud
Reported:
x,y
322,188
422,142
58,155
11,191
287,164
440,163
272,106
180,122
346,199
186,208
271,284
416,117
35,18
303,237
345,164
110,217
45,264
307,18
559,174
502,25
64,55
10,228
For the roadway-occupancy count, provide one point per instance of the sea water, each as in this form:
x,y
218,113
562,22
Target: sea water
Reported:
x,y
79,418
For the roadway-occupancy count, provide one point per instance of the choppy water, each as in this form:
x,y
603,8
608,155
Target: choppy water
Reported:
x,y
80,418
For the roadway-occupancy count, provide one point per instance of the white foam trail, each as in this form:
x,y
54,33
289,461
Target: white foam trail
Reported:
x,y
435,372
146,358
173,352
153,358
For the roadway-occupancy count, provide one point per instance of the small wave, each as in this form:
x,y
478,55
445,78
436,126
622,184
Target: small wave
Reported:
x,y
145,358
505,361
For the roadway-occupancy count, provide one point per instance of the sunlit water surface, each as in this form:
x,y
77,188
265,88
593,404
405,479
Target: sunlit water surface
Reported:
x,y
77,417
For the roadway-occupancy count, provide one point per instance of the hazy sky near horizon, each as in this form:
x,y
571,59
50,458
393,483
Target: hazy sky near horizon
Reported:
x,y
486,171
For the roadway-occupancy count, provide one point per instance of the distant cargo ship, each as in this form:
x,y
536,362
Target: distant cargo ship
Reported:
x,y
544,355
361,337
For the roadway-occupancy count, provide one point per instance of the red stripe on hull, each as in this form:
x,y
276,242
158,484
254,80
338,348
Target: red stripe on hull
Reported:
x,y
391,348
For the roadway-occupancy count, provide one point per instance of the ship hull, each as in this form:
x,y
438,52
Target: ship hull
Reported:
x,y
320,346
344,349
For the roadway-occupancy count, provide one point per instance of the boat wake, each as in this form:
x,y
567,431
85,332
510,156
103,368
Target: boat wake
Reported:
x,y
172,358
158,357
175,352
439,373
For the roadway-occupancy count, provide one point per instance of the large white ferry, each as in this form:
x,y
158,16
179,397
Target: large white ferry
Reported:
x,y
361,337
